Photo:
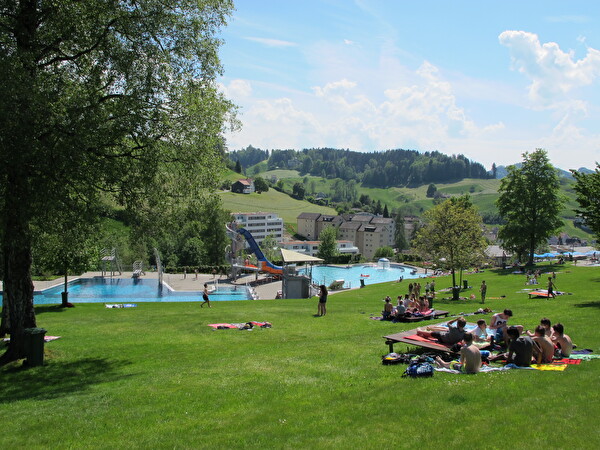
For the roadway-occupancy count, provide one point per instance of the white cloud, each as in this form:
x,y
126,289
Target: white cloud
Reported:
x,y
238,88
271,42
553,72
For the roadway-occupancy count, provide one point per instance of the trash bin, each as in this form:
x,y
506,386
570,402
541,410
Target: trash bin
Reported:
x,y
465,284
362,283
34,345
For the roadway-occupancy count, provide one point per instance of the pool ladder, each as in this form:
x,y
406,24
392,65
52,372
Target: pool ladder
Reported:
x,y
252,291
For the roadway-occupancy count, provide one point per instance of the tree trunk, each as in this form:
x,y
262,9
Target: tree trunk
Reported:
x,y
18,287
455,290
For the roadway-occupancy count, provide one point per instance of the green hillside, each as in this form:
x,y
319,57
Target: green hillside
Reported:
x,y
411,201
271,201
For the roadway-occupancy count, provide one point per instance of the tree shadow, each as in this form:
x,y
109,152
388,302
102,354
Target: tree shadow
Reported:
x,y
56,379
49,309
594,304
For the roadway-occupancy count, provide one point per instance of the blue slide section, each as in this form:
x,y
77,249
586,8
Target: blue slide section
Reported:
x,y
265,264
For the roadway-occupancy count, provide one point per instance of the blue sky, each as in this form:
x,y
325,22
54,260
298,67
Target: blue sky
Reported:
x,y
490,80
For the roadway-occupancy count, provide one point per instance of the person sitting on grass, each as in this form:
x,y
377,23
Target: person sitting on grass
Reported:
x,y
562,342
500,324
543,350
400,310
470,358
480,334
545,322
454,334
387,309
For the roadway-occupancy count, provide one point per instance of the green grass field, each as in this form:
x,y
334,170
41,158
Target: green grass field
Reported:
x,y
272,201
157,376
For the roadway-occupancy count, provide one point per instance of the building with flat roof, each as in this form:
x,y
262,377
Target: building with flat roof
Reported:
x,y
261,224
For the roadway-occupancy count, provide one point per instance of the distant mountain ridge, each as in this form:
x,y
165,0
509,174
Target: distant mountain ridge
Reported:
x,y
501,171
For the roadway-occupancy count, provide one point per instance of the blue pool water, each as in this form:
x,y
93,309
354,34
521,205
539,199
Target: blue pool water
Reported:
x,y
130,290
352,274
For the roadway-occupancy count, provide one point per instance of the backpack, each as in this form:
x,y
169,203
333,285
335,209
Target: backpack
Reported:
x,y
419,370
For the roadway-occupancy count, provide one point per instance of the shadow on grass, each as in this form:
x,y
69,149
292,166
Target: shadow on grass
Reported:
x,y
49,309
595,304
56,379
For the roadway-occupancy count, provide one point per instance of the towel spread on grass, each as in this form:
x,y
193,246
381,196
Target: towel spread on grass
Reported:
x,y
584,357
240,326
122,305
483,369
552,367
46,338
567,361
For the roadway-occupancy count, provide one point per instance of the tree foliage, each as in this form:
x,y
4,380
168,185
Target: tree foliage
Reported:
x,y
261,185
102,98
379,169
452,236
530,203
328,245
588,196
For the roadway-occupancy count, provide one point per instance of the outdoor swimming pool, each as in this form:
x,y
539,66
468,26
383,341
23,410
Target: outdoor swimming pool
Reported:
x,y
371,274
130,290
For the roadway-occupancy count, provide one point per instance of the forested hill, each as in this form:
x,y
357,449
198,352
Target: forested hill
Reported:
x,y
378,169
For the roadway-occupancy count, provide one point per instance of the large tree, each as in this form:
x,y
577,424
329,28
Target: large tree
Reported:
x,y
530,202
452,236
113,96
588,196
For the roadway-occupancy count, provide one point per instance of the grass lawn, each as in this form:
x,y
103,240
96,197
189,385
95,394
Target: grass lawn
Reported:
x,y
156,376
287,207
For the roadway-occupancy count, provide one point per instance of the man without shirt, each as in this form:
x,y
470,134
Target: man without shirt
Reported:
x,y
543,350
470,358
562,341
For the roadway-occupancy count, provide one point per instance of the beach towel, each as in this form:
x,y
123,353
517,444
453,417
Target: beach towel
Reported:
x,y
552,367
567,361
240,326
584,357
46,339
483,369
121,305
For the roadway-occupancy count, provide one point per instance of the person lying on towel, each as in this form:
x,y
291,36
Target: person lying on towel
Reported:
x,y
454,335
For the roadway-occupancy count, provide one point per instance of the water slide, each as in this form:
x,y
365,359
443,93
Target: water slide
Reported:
x,y
264,264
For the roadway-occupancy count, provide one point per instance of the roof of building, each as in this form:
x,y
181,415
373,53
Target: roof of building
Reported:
x,y
350,226
246,181
383,220
307,215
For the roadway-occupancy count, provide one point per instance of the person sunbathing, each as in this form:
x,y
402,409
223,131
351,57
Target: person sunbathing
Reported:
x,y
543,350
470,358
562,342
455,333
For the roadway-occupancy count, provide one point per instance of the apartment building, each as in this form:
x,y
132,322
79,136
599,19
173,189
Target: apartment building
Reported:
x,y
366,231
261,224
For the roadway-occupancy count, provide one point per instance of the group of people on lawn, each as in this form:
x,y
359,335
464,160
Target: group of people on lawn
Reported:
x,y
412,303
522,349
